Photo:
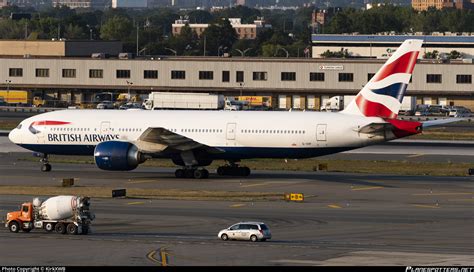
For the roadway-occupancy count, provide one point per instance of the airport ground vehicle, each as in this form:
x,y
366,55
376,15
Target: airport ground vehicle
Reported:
x,y
130,105
253,231
255,101
335,103
15,97
457,111
104,105
63,214
200,101
49,103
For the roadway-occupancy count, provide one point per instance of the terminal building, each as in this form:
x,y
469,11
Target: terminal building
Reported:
x,y
300,83
382,46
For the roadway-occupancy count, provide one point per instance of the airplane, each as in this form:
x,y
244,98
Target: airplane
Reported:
x,y
121,140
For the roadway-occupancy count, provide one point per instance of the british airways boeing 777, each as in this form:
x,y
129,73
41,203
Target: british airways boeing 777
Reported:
x,y
121,140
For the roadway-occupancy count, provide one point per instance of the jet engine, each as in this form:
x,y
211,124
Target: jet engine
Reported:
x,y
117,156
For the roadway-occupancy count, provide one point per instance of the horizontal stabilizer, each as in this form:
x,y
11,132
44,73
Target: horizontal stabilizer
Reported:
x,y
440,122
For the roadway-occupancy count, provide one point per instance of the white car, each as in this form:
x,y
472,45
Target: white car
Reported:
x,y
105,105
253,231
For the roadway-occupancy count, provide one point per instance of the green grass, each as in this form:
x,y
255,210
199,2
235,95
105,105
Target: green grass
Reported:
x,y
403,167
141,193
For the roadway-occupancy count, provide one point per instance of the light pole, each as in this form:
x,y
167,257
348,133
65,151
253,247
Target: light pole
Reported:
x,y
8,90
129,84
90,32
241,84
172,50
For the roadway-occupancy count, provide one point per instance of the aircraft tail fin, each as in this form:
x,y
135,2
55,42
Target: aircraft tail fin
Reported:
x,y
383,94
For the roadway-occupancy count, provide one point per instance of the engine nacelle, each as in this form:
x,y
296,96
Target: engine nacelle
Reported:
x,y
117,156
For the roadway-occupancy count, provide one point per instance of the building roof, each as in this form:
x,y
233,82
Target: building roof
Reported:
x,y
391,38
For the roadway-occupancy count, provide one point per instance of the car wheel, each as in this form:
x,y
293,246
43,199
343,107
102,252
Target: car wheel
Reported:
x,y
224,237
253,238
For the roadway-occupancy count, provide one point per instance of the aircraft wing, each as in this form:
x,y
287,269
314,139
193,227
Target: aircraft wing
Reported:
x,y
440,122
155,140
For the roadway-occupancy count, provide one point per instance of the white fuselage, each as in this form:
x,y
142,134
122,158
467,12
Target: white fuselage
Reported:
x,y
242,134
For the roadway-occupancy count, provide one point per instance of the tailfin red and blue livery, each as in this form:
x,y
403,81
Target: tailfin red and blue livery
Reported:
x,y
383,94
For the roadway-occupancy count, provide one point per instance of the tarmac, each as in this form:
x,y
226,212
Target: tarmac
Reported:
x,y
345,219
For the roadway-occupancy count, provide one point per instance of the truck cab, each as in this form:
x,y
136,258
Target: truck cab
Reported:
x,y
22,219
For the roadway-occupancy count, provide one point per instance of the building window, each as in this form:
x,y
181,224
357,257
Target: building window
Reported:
x,y
16,72
153,74
207,75
316,76
178,74
96,73
239,76
260,76
225,76
370,76
464,79
42,72
123,73
346,77
433,78
288,76
71,73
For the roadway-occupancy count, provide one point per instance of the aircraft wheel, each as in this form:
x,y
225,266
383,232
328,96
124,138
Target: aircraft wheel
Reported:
x,y
246,171
46,167
198,174
206,173
179,173
221,171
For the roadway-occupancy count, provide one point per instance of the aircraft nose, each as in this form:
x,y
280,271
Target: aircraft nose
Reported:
x,y
12,135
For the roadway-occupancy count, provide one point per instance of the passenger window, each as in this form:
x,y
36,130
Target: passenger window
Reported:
x,y
234,227
253,227
25,208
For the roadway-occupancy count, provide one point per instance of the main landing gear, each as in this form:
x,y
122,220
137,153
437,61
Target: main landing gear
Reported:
x,y
192,173
46,167
233,170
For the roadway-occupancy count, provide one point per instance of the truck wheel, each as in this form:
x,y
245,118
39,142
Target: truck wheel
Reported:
x,y
60,228
14,227
71,229
49,227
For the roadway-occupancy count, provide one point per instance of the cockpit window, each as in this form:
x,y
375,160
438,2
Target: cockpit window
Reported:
x,y
19,126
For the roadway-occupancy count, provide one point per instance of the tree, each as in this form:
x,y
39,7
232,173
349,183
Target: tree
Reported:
x,y
219,38
73,32
454,55
431,55
116,28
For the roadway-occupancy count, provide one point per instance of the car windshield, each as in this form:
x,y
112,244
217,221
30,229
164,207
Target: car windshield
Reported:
x,y
234,227
19,126
263,227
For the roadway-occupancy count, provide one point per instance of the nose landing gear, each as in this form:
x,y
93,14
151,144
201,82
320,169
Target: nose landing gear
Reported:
x,y
46,167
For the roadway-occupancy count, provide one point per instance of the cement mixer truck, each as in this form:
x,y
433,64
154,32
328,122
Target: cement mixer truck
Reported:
x,y
62,214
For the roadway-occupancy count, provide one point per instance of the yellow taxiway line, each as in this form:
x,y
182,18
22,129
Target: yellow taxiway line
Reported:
x,y
367,188
426,206
135,203
334,206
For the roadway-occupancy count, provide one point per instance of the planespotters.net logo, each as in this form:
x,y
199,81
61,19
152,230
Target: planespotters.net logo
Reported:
x,y
438,269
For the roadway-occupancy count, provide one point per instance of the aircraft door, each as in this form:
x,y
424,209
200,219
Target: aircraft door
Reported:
x,y
105,127
230,133
321,132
